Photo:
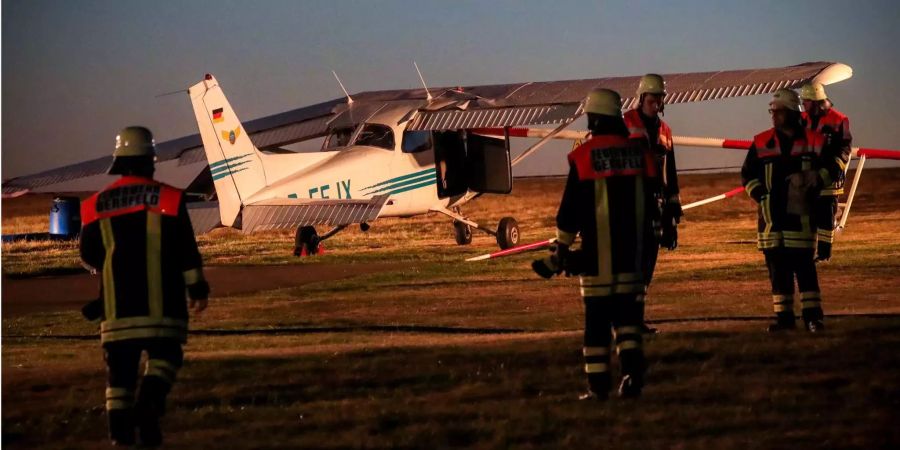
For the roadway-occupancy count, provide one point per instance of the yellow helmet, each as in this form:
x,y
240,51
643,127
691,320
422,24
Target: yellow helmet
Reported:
x,y
813,91
131,142
651,84
603,101
786,99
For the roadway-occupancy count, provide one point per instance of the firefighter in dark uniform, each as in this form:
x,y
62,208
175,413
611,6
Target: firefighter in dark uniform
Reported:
x,y
604,202
644,124
783,172
820,115
138,235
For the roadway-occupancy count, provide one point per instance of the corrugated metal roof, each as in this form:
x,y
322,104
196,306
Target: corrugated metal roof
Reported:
x,y
205,216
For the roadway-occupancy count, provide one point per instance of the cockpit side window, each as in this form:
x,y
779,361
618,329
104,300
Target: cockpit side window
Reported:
x,y
376,136
416,141
338,137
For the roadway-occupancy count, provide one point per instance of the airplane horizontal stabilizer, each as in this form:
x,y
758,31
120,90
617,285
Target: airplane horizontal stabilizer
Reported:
x,y
288,213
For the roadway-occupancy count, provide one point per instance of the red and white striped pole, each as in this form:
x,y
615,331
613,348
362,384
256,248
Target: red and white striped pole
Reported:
x,y
716,198
512,251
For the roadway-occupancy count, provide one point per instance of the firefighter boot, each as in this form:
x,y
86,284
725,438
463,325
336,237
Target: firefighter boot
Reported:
x,y
783,322
150,407
812,318
633,368
630,387
598,387
121,427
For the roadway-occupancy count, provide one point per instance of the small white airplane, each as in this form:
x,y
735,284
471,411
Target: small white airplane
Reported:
x,y
370,167
389,153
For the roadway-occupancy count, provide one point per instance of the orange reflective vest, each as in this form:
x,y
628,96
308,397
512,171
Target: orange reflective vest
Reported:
x,y
836,128
607,156
663,144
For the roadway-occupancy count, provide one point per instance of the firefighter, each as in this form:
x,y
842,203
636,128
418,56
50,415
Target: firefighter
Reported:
x,y
138,235
604,202
783,172
644,124
820,115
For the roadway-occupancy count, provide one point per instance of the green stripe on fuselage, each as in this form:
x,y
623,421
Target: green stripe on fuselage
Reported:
x,y
412,187
430,171
427,177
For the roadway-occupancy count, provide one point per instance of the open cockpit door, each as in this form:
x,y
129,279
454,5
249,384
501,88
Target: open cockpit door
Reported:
x,y
467,161
488,167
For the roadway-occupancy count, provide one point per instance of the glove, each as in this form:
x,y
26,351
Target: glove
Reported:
x,y
552,265
671,216
669,238
93,310
823,252
673,211
199,293
561,254
801,188
199,290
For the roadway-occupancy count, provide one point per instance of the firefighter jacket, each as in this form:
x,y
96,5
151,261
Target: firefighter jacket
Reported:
x,y
836,128
773,158
605,202
138,234
660,162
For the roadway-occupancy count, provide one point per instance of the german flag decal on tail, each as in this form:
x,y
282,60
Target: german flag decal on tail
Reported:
x,y
217,115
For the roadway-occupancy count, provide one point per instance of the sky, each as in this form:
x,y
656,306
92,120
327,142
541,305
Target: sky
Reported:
x,y
75,72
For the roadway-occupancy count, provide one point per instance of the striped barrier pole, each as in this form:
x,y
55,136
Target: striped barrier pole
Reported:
x,y
716,198
512,251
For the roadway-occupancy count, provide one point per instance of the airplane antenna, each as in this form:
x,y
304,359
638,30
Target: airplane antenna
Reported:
x,y
164,94
428,94
349,99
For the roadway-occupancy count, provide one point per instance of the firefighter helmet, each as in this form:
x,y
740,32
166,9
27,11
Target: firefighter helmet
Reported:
x,y
786,99
651,84
132,142
603,101
813,91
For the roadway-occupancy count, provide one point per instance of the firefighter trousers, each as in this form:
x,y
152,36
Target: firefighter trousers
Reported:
x,y
125,410
650,253
786,264
825,212
617,315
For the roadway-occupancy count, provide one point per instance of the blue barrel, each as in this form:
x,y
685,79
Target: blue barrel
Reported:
x,y
65,217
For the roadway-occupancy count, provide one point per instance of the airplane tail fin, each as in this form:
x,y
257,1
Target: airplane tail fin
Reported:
x,y
235,163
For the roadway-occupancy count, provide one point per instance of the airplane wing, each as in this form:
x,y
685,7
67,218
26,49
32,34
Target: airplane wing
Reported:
x,y
289,213
487,106
553,102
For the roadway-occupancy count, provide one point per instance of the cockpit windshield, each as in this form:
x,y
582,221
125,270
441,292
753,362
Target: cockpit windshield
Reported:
x,y
376,136
338,137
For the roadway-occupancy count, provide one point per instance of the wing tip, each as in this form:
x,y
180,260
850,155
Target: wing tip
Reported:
x,y
834,73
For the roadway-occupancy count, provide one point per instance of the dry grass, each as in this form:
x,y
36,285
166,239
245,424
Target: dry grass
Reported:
x,y
381,366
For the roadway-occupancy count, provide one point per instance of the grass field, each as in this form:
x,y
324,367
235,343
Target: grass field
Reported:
x,y
441,353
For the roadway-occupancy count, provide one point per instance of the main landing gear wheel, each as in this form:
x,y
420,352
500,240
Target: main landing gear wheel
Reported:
x,y
306,242
462,232
507,233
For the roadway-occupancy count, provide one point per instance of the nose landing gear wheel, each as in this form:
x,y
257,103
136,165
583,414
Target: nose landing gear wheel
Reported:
x,y
507,233
462,232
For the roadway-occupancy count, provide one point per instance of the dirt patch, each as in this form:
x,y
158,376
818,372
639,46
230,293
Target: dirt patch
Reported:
x,y
71,292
